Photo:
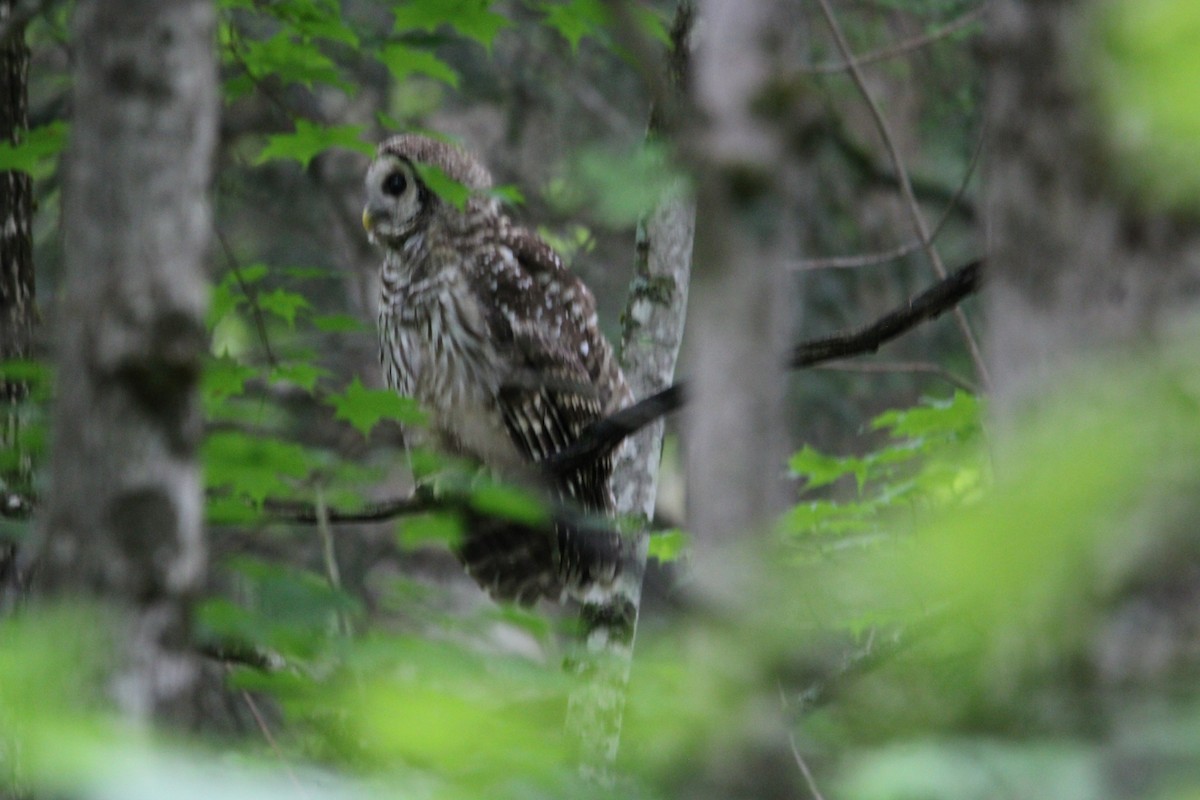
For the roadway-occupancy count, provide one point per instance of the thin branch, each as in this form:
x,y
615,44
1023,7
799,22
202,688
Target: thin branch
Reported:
x,y
902,47
417,503
329,555
607,434
903,366
230,652
872,654
804,770
860,260
235,267
261,721
933,302
864,162
871,259
898,164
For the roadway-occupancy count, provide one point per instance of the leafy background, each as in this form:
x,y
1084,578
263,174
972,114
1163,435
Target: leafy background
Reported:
x,y
909,629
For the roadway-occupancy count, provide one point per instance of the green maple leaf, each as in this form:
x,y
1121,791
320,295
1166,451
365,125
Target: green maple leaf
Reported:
x,y
310,139
364,408
472,18
404,61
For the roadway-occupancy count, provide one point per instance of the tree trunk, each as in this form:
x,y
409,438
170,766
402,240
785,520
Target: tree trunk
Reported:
x,y
124,517
741,312
16,272
651,335
1079,270
16,262
1076,266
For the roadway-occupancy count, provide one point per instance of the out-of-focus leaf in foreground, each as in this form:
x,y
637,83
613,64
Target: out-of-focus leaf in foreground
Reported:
x,y
1148,79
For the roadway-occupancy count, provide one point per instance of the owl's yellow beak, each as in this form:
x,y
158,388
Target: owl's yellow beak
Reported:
x,y
366,219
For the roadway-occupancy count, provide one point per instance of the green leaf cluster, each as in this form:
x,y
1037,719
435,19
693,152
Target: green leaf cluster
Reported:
x,y
310,139
364,408
1144,66
930,460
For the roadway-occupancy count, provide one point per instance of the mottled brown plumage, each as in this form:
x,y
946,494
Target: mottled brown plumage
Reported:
x,y
482,324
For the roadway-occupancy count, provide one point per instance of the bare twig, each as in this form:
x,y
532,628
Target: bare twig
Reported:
x,y
417,503
871,259
906,189
231,652
331,566
863,161
329,554
942,296
609,432
902,47
903,366
260,324
860,260
804,770
879,647
261,721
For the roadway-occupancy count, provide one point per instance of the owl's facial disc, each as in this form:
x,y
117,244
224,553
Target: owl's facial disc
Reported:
x,y
393,200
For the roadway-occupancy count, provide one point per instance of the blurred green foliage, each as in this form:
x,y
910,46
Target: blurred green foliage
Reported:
x,y
914,623
1146,57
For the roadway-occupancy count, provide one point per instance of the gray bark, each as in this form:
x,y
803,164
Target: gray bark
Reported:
x,y
741,315
651,335
653,329
1076,266
124,516
650,340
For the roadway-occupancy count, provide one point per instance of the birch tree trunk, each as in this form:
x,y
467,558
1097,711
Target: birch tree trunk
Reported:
x,y
651,335
124,517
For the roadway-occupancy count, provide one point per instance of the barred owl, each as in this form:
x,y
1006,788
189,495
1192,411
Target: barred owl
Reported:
x,y
482,324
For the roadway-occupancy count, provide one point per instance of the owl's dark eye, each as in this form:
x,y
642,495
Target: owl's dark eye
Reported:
x,y
395,184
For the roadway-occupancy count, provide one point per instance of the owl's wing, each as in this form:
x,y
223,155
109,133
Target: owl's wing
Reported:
x,y
542,319
547,403
578,332
538,316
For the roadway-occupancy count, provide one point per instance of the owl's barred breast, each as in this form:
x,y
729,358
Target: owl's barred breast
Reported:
x,y
435,349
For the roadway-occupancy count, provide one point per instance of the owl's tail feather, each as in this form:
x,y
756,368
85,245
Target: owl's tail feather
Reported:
x,y
521,563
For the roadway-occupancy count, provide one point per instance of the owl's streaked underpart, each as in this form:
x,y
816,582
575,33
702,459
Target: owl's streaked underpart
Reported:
x,y
481,323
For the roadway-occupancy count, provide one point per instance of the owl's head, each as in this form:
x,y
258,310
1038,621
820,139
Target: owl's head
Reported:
x,y
398,200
